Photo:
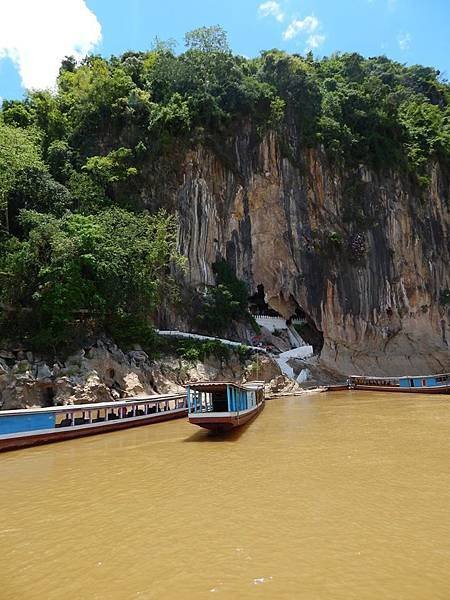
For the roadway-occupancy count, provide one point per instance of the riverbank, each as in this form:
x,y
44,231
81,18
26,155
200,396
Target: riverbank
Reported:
x,y
102,372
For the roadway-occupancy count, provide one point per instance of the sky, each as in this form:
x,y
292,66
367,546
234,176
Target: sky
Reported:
x,y
36,34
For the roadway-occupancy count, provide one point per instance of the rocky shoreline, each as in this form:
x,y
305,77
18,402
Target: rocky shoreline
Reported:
x,y
103,372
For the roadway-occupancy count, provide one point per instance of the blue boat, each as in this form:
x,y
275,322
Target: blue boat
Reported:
x,y
220,406
423,384
28,427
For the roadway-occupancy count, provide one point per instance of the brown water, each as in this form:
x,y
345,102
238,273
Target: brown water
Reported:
x,y
326,496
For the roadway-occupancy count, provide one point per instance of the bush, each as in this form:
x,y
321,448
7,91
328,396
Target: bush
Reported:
x,y
103,272
195,351
225,302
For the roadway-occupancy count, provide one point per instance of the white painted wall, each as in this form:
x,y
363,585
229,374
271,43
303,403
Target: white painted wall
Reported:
x,y
271,323
283,358
278,323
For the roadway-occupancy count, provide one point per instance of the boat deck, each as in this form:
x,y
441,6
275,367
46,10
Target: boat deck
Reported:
x,y
27,427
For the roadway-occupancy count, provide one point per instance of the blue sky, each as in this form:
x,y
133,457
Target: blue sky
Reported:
x,y
410,31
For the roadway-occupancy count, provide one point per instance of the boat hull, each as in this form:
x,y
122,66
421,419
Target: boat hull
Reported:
x,y
226,421
445,389
18,441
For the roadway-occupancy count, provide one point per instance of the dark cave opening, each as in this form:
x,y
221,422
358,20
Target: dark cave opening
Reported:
x,y
307,329
258,306
300,319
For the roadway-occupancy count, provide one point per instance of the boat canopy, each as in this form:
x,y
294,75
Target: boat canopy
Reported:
x,y
405,381
221,396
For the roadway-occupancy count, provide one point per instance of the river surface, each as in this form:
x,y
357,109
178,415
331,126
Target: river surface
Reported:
x,y
322,497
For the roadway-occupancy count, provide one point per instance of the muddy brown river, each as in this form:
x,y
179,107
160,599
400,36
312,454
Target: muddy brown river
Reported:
x,y
342,496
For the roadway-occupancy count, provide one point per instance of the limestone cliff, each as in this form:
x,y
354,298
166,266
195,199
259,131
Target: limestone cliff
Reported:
x,y
364,254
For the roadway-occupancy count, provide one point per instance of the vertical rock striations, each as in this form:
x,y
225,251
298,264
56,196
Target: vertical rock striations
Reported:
x,y
364,254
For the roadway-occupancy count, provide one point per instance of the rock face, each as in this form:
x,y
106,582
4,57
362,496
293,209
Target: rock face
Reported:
x,y
365,255
103,373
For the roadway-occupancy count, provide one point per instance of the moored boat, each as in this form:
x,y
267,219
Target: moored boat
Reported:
x,y
220,406
422,384
29,427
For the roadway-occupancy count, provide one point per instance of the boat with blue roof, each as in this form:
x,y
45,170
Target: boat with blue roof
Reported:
x,y
221,406
422,384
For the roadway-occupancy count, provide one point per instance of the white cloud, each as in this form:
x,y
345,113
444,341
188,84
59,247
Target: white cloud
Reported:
x,y
314,41
404,41
37,34
308,25
271,8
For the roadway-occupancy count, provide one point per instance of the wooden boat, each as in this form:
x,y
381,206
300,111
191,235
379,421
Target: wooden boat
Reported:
x,y
421,384
28,427
220,406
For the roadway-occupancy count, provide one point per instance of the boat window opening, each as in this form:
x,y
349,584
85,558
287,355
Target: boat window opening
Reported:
x,y
78,418
64,420
101,416
219,401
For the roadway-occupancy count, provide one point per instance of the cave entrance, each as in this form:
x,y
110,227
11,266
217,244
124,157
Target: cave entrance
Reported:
x,y
258,306
302,322
306,328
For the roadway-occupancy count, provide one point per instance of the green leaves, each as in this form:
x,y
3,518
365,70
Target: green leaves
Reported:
x,y
18,151
427,130
112,168
207,39
107,269
224,302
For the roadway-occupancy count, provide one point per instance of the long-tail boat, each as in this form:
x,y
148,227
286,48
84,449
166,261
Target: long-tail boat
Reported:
x,y
421,384
220,406
29,427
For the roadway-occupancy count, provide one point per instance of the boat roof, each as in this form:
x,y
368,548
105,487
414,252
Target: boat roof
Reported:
x,y
92,406
217,386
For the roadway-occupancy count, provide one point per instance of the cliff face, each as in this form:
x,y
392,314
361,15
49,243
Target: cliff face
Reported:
x,y
364,255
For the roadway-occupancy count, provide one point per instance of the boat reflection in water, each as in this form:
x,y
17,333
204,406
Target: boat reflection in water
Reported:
x,y
29,427
220,406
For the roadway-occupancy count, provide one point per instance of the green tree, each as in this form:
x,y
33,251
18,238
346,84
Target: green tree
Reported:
x,y
112,168
110,270
207,39
18,151
224,302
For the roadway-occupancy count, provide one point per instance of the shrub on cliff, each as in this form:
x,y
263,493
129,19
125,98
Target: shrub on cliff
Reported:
x,y
225,302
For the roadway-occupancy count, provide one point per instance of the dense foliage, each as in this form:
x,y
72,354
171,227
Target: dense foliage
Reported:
x,y
74,240
224,302
81,274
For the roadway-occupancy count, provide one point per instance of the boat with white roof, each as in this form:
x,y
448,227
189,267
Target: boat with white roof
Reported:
x,y
220,406
29,427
